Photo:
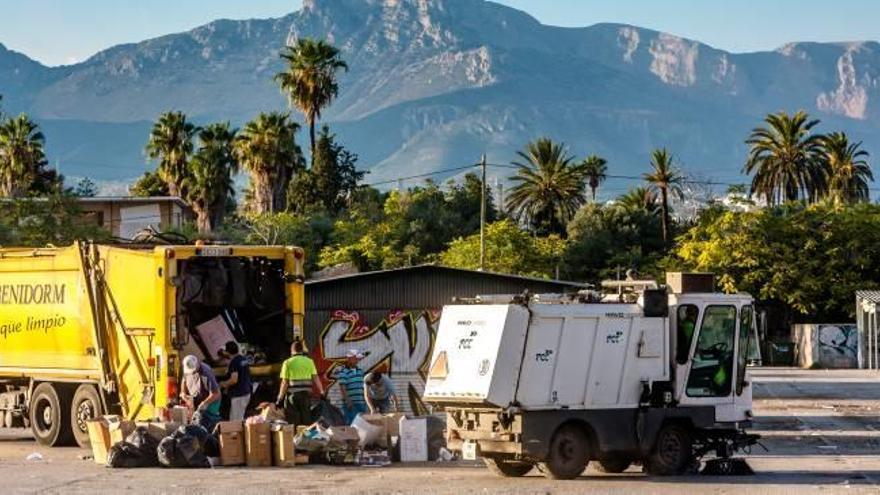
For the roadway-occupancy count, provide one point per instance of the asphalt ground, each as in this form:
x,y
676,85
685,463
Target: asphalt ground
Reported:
x,y
821,429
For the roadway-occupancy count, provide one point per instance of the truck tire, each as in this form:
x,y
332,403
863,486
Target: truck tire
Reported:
x,y
568,455
614,465
86,405
508,469
49,415
672,453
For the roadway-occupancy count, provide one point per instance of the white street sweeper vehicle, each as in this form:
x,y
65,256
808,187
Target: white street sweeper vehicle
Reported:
x,y
656,378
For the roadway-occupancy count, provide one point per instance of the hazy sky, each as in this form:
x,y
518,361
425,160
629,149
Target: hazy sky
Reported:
x,y
65,31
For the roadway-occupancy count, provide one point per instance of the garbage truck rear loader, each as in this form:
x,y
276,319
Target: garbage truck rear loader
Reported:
x,y
92,329
556,382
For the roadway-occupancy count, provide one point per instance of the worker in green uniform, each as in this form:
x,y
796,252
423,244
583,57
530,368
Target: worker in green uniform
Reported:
x,y
686,328
298,375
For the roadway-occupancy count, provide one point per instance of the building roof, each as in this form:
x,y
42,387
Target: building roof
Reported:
x,y
872,296
434,267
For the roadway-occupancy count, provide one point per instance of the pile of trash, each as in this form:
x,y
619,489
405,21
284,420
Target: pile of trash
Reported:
x,y
267,440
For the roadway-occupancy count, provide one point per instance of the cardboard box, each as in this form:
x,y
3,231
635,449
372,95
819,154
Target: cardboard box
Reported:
x,y
106,432
258,444
232,451
392,423
283,450
380,421
271,413
157,429
346,436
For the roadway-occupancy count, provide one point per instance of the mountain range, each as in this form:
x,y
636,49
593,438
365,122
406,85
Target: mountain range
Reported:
x,y
433,84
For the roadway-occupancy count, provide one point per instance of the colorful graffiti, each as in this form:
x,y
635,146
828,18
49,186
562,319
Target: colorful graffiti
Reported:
x,y
400,345
838,346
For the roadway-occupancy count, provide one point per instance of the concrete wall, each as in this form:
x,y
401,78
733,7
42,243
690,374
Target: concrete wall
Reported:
x,y
828,346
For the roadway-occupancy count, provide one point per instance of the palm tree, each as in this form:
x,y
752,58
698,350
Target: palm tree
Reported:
x,y
595,167
309,80
549,188
639,199
666,179
266,148
848,169
171,142
22,156
785,158
209,181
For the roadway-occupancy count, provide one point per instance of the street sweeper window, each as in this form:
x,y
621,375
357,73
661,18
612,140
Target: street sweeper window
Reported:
x,y
712,366
233,299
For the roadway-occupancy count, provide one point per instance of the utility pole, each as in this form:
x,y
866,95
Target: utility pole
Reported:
x,y
483,215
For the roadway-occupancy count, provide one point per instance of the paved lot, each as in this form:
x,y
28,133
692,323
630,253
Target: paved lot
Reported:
x,y
822,430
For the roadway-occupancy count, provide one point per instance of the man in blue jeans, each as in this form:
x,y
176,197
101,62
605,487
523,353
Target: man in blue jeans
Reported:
x,y
351,384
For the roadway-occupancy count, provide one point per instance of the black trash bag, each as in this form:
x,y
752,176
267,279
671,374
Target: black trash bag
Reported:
x,y
327,413
436,436
184,448
138,450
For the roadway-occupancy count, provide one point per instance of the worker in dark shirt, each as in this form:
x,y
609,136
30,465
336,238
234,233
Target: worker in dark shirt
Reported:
x,y
237,382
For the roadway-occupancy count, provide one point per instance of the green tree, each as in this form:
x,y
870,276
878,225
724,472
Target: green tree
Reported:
x,y
666,179
267,149
509,249
22,157
605,241
330,182
85,188
310,79
639,199
171,142
784,157
55,218
810,258
549,188
848,169
463,198
149,185
215,163
595,169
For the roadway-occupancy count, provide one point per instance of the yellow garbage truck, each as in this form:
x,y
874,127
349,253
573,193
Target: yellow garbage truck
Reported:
x,y
92,329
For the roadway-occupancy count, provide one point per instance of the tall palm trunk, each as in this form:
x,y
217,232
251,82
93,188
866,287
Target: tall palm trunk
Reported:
x,y
203,218
665,220
311,118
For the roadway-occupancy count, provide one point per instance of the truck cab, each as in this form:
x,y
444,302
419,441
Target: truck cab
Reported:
x,y
654,376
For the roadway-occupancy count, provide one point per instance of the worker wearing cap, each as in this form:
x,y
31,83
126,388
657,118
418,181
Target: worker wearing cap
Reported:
x,y
351,383
380,394
298,375
201,392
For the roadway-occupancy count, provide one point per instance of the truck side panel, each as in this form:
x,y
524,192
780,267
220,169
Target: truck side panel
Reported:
x,y
45,319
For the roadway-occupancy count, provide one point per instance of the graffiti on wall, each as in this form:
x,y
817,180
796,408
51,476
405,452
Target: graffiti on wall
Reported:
x,y
838,346
400,345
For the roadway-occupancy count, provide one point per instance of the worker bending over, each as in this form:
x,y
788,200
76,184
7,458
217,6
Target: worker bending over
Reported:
x,y
380,394
201,392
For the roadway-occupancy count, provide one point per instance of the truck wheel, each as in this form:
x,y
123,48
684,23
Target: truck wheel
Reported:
x,y
507,469
568,455
613,465
85,407
673,452
49,411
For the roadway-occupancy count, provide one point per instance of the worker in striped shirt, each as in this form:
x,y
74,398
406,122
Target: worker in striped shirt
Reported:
x,y
351,383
